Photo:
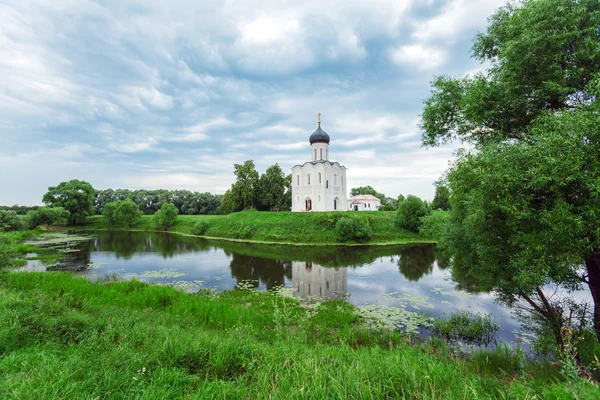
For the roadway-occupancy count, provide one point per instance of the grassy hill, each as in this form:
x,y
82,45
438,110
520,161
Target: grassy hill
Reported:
x,y
288,227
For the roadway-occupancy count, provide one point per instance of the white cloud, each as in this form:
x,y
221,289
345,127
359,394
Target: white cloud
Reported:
x,y
419,56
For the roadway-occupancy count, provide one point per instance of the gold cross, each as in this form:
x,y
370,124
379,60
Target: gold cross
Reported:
x,y
319,115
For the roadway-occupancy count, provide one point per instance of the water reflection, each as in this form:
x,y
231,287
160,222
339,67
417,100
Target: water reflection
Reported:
x,y
415,262
311,280
255,270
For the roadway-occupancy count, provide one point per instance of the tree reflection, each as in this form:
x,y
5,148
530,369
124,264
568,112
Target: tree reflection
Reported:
x,y
270,272
415,262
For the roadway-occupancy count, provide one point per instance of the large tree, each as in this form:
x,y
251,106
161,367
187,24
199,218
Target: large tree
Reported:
x,y
271,189
525,204
75,196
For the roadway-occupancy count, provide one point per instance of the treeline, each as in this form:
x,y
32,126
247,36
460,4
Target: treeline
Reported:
x,y
271,191
150,201
19,210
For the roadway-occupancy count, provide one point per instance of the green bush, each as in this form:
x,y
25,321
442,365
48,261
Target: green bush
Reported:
x,y
10,221
47,216
201,227
245,232
410,212
328,220
166,216
434,224
353,228
122,213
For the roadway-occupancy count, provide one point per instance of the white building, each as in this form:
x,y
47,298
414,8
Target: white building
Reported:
x,y
319,184
364,202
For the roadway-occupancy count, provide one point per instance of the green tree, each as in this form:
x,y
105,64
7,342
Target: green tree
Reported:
x,y
75,196
245,188
271,189
543,54
47,216
122,213
10,221
441,199
525,205
366,190
166,216
410,213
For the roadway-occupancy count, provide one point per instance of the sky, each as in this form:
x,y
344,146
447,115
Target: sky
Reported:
x,y
171,94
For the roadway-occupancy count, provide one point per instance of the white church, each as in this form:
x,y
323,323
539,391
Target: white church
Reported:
x,y
320,184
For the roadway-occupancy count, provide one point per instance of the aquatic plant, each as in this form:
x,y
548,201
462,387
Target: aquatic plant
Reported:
x,y
466,326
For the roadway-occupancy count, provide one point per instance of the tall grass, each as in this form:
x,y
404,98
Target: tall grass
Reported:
x,y
65,337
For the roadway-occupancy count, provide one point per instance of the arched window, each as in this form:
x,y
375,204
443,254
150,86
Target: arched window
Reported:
x,y
342,180
308,180
326,184
321,154
326,154
315,154
335,179
297,180
319,178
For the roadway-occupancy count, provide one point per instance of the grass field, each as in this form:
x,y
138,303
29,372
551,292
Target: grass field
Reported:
x,y
66,337
280,227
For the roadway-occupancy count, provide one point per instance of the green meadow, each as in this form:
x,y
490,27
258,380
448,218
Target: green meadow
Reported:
x,y
66,337
279,227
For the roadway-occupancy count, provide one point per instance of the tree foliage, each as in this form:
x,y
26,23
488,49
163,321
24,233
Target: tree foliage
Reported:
x,y
526,204
271,189
441,199
10,221
542,53
47,216
150,201
410,212
366,190
75,196
122,213
166,216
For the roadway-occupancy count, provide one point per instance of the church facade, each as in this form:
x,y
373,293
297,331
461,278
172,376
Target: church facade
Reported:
x,y
319,184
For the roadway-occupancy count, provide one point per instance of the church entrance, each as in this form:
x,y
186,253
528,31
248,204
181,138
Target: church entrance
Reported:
x,y
335,202
308,205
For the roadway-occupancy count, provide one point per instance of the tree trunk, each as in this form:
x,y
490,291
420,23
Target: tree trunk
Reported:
x,y
593,270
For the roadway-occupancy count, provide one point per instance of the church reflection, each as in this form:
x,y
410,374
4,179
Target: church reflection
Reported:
x,y
311,280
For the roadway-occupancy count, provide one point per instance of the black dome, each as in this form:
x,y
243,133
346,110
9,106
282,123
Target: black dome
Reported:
x,y
319,136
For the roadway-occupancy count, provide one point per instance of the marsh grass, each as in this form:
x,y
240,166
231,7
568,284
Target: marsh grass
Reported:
x,y
66,337
467,327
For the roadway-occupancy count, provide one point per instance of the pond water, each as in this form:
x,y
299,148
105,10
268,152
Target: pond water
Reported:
x,y
413,278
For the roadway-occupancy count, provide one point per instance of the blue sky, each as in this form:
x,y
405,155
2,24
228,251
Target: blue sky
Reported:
x,y
170,94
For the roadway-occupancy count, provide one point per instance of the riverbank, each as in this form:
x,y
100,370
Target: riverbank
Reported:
x,y
278,227
70,338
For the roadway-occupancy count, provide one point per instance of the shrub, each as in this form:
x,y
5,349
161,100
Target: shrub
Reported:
x,y
466,326
122,213
10,221
328,220
352,228
245,232
410,212
166,216
201,227
434,225
47,216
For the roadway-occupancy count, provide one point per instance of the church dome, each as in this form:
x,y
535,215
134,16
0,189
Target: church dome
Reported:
x,y
319,136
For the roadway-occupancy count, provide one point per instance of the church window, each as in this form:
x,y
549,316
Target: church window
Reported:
x,y
308,178
315,154
326,184
342,180
335,179
320,178
321,154
319,198
298,180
